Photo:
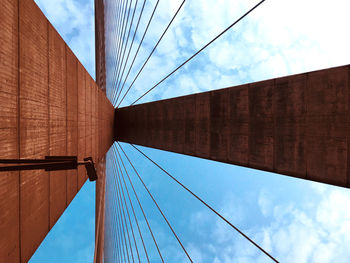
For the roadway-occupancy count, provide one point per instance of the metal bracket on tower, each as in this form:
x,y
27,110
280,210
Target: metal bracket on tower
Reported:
x,y
50,163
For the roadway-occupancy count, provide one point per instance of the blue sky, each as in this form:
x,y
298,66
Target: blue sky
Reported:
x,y
295,220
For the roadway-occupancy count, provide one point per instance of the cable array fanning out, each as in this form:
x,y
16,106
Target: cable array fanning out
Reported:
x,y
122,210
129,243
119,81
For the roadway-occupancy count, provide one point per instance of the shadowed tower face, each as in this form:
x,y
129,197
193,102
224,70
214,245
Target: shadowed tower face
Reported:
x,y
295,125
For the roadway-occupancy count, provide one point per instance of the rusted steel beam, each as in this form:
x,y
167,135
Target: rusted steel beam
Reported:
x,y
296,125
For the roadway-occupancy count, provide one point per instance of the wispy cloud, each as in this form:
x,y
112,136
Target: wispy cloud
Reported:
x,y
313,232
74,21
279,38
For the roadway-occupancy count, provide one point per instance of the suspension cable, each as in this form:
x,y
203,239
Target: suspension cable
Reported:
x,y
132,207
155,202
112,247
124,27
154,48
117,224
132,185
199,51
133,39
120,41
116,34
121,228
123,210
115,247
127,210
114,9
118,236
122,215
138,49
127,41
203,202
123,43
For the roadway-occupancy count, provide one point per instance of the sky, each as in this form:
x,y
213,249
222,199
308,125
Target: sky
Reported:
x,y
294,219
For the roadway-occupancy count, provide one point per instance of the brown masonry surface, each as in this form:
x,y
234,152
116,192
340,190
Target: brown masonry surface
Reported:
x,y
297,125
49,105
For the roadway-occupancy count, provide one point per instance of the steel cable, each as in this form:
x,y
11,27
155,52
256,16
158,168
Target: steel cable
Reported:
x,y
154,48
116,223
133,210
125,229
199,51
143,212
119,37
159,209
133,39
118,8
122,42
138,49
203,202
127,41
119,225
113,9
123,213
127,210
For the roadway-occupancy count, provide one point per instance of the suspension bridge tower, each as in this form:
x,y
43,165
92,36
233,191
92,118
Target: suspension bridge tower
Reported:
x,y
296,125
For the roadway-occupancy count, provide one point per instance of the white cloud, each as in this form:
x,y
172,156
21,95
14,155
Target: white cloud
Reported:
x,y
317,234
279,38
74,21
265,202
293,232
196,254
334,211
